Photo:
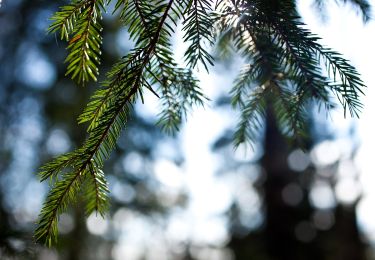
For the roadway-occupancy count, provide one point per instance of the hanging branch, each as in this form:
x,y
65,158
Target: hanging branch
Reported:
x,y
282,69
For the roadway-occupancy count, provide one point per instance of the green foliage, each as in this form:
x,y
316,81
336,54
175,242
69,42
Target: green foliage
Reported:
x,y
177,100
79,24
63,192
198,29
283,71
284,59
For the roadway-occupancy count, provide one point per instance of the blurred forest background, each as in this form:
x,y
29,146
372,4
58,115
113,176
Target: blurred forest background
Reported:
x,y
283,203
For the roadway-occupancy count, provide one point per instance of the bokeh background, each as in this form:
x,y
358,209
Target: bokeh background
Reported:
x,y
188,196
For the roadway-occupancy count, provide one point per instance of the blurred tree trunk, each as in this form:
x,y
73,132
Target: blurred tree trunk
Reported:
x,y
277,238
77,239
282,219
349,244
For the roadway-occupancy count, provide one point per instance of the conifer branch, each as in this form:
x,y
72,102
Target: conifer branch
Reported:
x,y
65,19
283,70
101,141
81,18
198,29
96,192
62,193
276,43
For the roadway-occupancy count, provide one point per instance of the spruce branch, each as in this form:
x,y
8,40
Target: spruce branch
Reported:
x,y
275,42
89,159
290,111
283,71
62,193
81,19
84,48
345,80
65,19
96,191
172,81
197,26
252,114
